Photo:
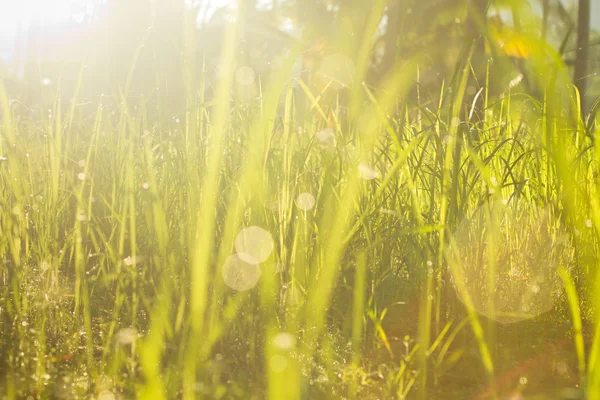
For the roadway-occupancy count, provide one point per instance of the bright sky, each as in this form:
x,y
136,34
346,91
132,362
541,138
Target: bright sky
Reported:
x,y
17,14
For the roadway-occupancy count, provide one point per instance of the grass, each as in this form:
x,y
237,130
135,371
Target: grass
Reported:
x,y
432,215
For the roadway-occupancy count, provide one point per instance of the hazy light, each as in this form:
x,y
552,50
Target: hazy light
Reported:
x,y
254,245
337,70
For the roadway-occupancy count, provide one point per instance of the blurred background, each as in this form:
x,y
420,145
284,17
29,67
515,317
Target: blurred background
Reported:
x,y
44,42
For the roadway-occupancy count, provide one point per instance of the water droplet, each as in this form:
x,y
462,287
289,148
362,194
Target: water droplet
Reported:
x,y
81,176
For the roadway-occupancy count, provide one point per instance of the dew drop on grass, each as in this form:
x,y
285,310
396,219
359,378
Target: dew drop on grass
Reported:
x,y
366,172
254,245
305,201
245,76
240,275
81,176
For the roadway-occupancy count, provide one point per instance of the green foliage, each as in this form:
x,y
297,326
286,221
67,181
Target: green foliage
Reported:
x,y
385,269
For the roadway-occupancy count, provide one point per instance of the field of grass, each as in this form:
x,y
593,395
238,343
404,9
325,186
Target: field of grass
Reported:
x,y
387,243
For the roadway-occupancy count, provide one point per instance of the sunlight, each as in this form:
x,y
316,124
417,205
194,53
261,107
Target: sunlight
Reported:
x,y
294,199
46,11
17,17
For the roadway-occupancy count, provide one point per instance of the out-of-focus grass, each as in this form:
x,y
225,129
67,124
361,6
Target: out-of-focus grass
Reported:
x,y
116,222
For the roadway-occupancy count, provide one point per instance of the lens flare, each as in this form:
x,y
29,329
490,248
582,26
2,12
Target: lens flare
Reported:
x,y
326,139
305,201
240,275
254,245
106,395
504,260
245,76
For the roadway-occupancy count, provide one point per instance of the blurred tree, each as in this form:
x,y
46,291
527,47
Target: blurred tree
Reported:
x,y
582,57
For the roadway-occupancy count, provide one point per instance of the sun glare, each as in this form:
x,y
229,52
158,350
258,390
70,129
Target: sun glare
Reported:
x,y
16,17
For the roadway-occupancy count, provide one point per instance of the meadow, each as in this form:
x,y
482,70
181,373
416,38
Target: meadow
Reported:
x,y
271,237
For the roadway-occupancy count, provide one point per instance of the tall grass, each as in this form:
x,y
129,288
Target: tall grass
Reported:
x,y
118,218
